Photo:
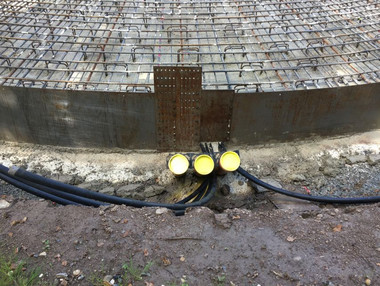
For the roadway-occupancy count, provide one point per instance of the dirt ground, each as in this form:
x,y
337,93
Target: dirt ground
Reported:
x,y
244,237
327,246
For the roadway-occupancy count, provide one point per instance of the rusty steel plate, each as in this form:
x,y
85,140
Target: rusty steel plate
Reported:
x,y
178,95
217,106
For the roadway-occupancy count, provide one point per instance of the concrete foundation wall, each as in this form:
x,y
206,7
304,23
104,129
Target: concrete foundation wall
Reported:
x,y
129,120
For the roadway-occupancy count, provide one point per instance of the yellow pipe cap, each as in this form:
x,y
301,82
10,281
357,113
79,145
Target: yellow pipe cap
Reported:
x,y
178,164
204,165
230,161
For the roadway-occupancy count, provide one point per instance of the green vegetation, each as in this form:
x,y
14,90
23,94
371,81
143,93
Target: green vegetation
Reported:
x,y
14,272
132,273
46,244
220,280
135,273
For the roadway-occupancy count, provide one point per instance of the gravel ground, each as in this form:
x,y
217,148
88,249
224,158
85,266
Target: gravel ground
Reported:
x,y
346,166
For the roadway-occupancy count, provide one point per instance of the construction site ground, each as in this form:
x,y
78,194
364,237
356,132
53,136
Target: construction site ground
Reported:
x,y
244,236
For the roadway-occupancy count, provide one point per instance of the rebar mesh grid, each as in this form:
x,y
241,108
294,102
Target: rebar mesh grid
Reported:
x,y
261,45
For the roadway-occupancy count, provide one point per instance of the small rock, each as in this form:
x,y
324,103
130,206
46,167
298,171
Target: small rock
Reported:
x,y
374,159
269,181
128,190
161,211
330,171
367,282
107,280
290,238
77,272
108,191
81,277
297,258
42,254
153,191
225,190
4,204
297,177
63,282
62,275
351,160
223,220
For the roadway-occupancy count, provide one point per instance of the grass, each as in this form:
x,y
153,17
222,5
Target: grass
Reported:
x,y
132,273
46,244
135,273
14,272
220,280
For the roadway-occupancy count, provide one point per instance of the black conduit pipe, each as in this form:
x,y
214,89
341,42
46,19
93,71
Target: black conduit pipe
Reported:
x,y
319,199
35,191
78,199
61,194
20,173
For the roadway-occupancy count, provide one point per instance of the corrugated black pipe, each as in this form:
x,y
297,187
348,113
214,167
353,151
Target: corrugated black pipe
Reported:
x,y
319,199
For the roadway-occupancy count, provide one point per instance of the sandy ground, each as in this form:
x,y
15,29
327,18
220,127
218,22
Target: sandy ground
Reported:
x,y
245,237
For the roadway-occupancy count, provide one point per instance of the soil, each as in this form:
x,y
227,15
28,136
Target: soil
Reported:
x,y
328,246
246,236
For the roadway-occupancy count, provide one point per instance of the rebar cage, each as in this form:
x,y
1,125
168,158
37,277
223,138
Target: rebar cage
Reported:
x,y
246,46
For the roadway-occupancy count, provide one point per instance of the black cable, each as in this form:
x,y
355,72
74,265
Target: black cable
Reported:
x,y
61,194
74,198
35,191
201,188
20,173
320,199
